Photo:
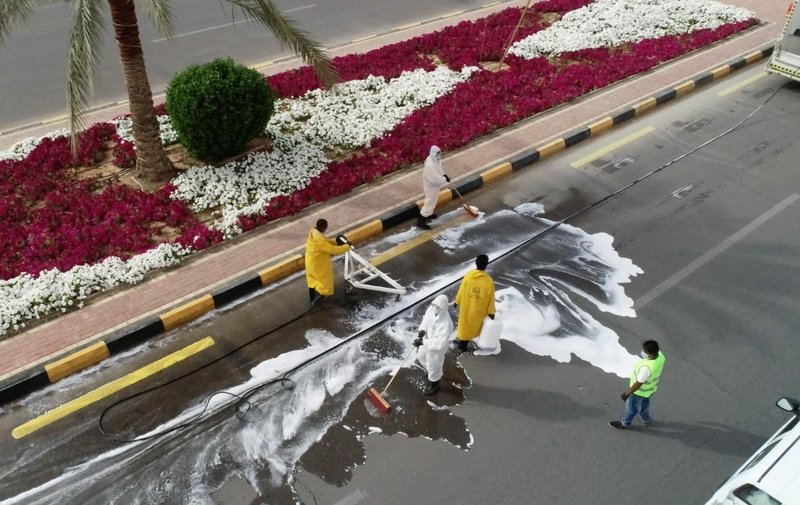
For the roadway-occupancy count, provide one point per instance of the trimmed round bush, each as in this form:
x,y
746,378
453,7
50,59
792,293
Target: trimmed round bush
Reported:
x,y
217,108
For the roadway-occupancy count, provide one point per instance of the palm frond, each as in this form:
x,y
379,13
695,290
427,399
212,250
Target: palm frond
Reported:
x,y
289,35
82,58
160,11
13,12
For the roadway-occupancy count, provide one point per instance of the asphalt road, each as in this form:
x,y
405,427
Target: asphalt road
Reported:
x,y
715,236
34,90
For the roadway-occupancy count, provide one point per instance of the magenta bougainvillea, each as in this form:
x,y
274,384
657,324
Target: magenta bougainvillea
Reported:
x,y
49,218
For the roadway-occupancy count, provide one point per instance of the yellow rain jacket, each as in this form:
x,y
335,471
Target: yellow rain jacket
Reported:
x,y
319,261
475,300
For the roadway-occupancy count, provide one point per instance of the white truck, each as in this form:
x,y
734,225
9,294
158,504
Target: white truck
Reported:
x,y
771,476
785,58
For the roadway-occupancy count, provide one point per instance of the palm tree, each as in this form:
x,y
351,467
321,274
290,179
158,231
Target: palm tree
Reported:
x,y
82,59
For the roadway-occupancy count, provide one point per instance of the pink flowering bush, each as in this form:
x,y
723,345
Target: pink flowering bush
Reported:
x,y
466,43
487,101
124,153
388,61
49,218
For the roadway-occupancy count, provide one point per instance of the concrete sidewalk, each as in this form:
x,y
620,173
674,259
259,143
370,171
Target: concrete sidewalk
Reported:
x,y
115,313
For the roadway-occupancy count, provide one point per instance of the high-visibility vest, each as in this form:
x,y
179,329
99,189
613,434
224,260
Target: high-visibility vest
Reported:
x,y
655,365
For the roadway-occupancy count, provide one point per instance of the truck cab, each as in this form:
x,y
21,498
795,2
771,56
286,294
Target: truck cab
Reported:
x,y
771,476
785,59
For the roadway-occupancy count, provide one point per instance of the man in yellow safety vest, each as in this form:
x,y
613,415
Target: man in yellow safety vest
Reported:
x,y
643,383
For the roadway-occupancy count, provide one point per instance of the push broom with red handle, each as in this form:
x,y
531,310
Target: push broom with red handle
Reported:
x,y
377,398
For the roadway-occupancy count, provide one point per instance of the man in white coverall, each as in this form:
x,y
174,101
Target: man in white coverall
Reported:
x,y
433,180
432,341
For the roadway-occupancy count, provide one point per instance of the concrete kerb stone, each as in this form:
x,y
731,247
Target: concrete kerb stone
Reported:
x,y
290,263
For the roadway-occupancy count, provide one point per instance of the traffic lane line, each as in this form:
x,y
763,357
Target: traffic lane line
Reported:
x,y
713,253
233,23
107,390
580,163
741,84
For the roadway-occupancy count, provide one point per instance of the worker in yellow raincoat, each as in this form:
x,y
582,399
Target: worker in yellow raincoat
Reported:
x,y
475,301
319,261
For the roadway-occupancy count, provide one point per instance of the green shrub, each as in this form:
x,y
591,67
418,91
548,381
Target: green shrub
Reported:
x,y
217,108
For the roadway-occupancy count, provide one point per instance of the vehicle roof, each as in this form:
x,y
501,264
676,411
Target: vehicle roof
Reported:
x,y
781,477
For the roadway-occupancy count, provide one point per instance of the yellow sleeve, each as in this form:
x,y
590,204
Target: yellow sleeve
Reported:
x,y
458,294
331,248
490,292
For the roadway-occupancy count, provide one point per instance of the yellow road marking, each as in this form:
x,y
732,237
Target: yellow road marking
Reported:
x,y
612,147
490,5
742,84
451,14
112,387
415,242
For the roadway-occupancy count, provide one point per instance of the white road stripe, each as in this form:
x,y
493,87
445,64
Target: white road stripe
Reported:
x,y
202,30
714,252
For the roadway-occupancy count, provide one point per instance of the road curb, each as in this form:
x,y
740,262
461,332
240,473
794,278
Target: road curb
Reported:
x,y
143,329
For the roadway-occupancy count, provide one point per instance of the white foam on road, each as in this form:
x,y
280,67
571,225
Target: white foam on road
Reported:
x,y
533,328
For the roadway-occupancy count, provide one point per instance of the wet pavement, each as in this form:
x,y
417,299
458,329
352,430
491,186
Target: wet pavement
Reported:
x,y
524,426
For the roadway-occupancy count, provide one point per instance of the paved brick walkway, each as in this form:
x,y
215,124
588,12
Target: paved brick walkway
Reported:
x,y
105,314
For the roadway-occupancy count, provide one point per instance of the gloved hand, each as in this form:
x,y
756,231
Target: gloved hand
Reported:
x,y
491,316
418,340
624,396
341,240
447,178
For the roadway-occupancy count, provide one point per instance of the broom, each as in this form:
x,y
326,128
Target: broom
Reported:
x,y
377,398
471,209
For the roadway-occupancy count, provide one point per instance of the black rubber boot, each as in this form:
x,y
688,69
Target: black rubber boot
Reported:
x,y
432,389
463,345
316,298
422,223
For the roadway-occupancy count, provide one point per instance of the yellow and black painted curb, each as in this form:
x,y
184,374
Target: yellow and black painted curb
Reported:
x,y
147,328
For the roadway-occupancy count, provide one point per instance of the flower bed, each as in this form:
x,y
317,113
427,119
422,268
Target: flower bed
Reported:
x,y
64,238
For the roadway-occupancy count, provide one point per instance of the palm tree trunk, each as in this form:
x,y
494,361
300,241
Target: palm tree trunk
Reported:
x,y
151,162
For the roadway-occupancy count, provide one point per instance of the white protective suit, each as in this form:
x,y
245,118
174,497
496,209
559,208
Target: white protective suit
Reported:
x,y
432,181
438,329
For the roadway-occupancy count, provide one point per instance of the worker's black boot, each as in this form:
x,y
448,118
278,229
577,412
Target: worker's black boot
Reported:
x,y
463,345
432,389
422,223
316,298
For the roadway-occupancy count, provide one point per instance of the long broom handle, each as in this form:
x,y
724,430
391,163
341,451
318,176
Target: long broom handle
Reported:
x,y
459,195
398,370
